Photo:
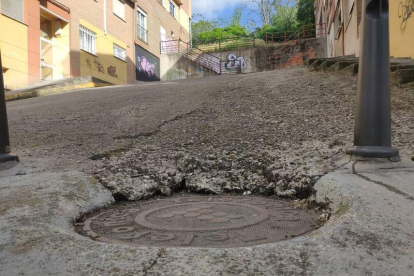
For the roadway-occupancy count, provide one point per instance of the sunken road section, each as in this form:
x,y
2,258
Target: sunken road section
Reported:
x,y
200,221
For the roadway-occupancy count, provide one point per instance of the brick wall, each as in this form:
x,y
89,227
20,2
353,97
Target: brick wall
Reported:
x,y
158,16
92,11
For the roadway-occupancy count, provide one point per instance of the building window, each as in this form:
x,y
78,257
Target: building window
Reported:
x,y
172,9
142,25
12,8
119,52
87,40
119,8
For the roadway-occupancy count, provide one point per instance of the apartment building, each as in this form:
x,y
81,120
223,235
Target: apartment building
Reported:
x,y
343,26
158,20
51,40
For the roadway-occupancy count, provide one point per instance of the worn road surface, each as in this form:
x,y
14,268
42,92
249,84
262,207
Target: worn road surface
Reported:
x,y
267,133
274,133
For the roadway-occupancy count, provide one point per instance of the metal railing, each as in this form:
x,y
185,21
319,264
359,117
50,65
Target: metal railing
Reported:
x,y
304,32
224,44
285,44
142,34
179,47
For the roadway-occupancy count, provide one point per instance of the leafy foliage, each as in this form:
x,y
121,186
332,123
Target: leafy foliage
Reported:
x,y
221,33
305,14
285,18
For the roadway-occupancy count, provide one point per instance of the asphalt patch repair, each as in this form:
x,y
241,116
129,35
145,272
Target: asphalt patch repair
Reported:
x,y
199,221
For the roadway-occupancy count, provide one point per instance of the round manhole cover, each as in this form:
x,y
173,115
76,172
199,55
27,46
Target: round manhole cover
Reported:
x,y
201,221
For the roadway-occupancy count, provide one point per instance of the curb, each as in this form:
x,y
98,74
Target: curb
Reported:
x,y
50,90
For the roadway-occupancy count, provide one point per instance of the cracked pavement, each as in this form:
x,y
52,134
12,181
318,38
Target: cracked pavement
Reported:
x,y
270,133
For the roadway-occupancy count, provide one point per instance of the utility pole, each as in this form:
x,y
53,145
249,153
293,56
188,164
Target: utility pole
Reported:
x,y
373,111
5,154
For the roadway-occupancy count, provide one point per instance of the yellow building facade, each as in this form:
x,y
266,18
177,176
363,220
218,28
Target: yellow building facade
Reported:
x,y
14,51
343,23
48,40
402,28
103,64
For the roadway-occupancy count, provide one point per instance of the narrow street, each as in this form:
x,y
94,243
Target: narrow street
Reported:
x,y
269,133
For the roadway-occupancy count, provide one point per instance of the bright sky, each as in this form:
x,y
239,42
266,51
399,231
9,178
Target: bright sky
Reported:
x,y
211,9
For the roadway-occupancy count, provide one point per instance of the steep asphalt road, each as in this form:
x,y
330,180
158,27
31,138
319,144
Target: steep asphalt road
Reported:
x,y
271,133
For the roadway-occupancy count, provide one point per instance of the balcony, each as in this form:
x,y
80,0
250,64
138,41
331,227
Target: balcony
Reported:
x,y
142,34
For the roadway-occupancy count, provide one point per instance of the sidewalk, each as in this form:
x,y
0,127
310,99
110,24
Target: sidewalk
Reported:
x,y
370,231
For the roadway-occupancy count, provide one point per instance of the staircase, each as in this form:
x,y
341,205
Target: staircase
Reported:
x,y
195,54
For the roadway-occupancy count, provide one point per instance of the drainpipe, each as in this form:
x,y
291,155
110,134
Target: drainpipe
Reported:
x,y
5,154
104,3
343,27
343,39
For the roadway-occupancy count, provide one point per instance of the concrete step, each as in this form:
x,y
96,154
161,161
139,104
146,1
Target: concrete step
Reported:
x,y
403,76
325,65
340,66
402,70
350,70
401,66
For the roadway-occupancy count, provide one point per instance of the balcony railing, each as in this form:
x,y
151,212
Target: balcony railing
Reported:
x,y
142,34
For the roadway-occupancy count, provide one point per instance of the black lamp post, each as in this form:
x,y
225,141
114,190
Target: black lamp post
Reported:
x,y
5,154
373,112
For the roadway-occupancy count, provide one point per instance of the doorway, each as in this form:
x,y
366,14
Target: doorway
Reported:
x,y
46,49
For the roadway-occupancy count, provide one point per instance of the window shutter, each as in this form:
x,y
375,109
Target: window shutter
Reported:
x,y
119,8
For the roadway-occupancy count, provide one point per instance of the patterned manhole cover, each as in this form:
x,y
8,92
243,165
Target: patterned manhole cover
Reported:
x,y
200,221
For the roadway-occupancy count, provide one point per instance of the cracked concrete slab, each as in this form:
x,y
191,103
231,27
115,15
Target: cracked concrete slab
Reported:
x,y
370,232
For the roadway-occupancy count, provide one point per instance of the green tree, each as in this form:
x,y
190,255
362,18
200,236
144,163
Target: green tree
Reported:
x,y
305,14
285,17
200,25
235,19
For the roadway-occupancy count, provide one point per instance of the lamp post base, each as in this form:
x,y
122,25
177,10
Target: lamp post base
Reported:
x,y
6,157
375,152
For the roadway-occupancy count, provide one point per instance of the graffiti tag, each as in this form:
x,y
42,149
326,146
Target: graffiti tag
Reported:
x,y
112,71
176,74
99,66
234,62
405,11
145,66
88,62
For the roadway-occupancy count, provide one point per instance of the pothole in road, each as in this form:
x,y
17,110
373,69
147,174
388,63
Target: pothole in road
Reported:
x,y
199,221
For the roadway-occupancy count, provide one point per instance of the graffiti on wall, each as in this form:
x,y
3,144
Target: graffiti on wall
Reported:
x,y
88,63
234,62
405,11
176,74
147,65
112,71
99,66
